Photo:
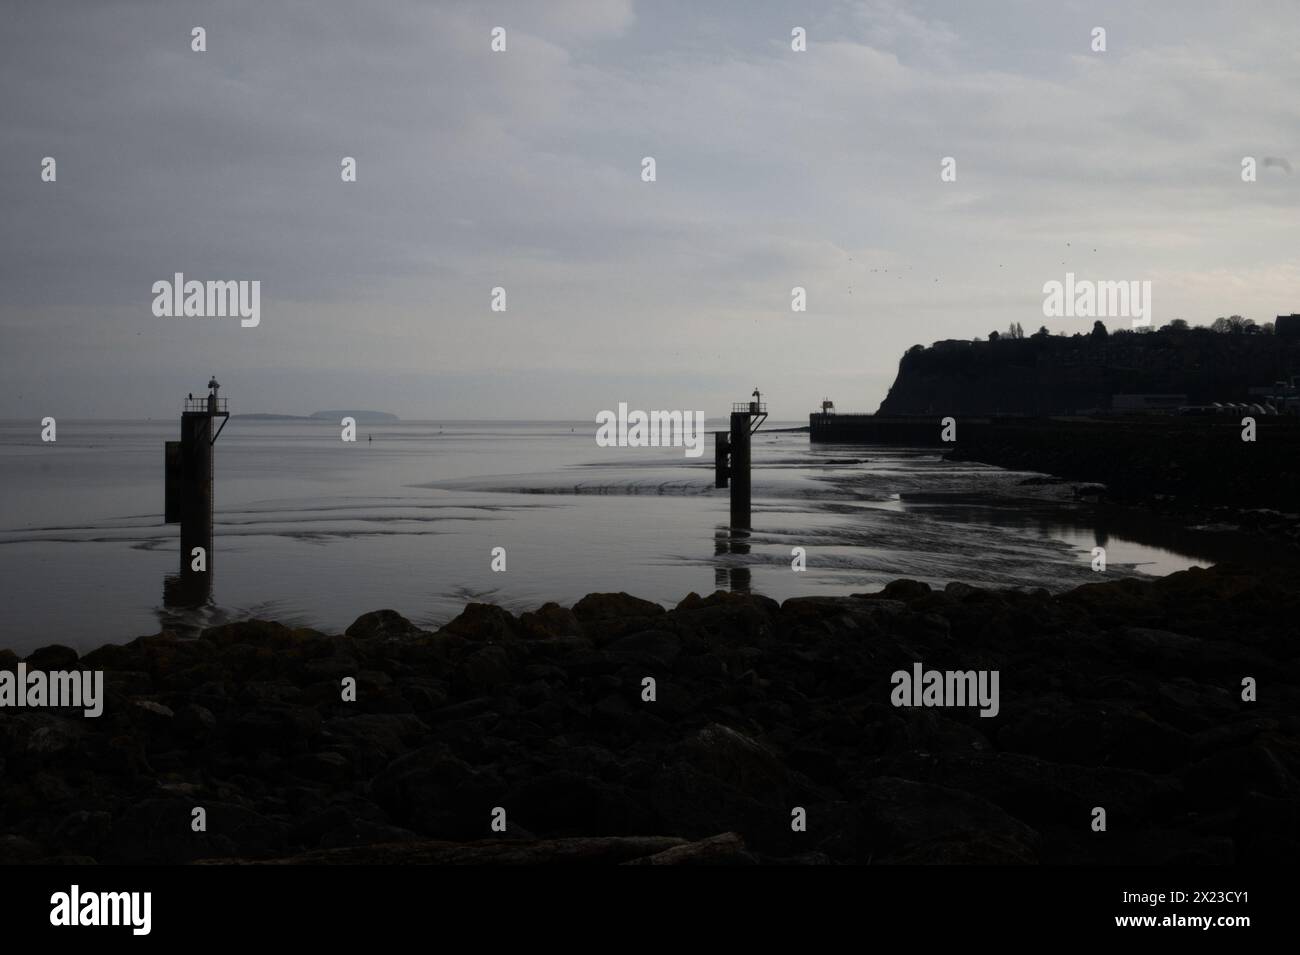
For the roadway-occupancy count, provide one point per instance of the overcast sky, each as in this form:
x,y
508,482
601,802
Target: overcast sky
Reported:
x,y
522,169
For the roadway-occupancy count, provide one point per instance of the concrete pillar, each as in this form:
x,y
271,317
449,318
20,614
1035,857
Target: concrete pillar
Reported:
x,y
189,502
739,470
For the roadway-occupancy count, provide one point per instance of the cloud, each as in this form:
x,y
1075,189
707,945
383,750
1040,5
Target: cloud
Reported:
x,y
522,168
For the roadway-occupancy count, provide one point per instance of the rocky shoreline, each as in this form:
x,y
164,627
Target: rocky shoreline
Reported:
x,y
1124,695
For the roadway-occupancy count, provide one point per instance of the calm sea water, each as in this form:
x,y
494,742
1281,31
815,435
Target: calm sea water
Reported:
x,y
313,531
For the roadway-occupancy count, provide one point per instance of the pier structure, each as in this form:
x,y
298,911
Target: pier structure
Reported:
x,y
731,456
914,431
188,496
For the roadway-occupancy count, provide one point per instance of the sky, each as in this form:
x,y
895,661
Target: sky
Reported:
x,y
522,169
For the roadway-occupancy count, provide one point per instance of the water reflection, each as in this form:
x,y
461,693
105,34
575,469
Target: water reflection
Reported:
x,y
727,574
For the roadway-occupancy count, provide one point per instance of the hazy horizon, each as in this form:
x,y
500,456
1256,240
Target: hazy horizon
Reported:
x,y
522,169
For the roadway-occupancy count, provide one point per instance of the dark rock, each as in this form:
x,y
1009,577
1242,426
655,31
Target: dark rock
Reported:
x,y
159,832
733,757
274,726
423,694
1234,734
194,721
1123,694
155,713
265,633
1227,776
331,669
1267,829
371,740
620,606
330,767
483,622
127,683
45,734
361,832
657,647
484,669
726,598
18,850
725,849
904,590
567,802
920,822
550,620
673,701
53,657
931,732
1107,732
83,832
435,792
382,625
584,850
1039,792
467,709
1175,653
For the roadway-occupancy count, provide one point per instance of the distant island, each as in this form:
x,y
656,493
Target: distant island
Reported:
x,y
362,417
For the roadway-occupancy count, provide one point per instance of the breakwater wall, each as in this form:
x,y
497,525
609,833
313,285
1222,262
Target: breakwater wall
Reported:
x,y
1202,460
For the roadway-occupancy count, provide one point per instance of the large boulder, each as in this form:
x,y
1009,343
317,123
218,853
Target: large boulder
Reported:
x,y
652,647
550,621
619,606
383,624
934,823
485,622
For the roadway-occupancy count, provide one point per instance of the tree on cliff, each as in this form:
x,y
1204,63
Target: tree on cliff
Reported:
x,y
993,336
1232,325
1099,332
1177,325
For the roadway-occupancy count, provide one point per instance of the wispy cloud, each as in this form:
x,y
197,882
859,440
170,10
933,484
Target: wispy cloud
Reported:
x,y
521,169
